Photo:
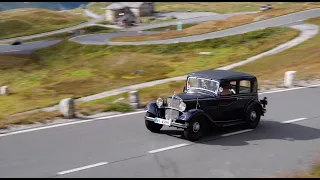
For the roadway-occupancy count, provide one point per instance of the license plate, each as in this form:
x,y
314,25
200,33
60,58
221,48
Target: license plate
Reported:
x,y
162,121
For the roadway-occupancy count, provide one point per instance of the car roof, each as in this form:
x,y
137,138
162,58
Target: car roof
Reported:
x,y
222,75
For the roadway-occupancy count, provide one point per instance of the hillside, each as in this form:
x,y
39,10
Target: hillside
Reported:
x,y
225,7
43,5
96,6
68,69
21,22
217,7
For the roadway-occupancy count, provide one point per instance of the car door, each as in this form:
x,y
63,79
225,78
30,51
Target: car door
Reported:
x,y
210,107
229,104
247,92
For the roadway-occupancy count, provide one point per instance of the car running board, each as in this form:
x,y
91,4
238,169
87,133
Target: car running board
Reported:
x,y
230,123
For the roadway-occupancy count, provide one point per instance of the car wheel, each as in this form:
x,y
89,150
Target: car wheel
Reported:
x,y
151,126
252,117
196,129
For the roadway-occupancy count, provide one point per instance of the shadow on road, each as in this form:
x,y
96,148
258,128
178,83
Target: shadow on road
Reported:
x,y
266,130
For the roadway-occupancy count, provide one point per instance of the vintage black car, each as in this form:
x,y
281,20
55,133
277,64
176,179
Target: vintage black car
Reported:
x,y
211,97
16,42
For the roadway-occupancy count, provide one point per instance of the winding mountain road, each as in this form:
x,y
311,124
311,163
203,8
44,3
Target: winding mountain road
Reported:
x,y
278,21
102,39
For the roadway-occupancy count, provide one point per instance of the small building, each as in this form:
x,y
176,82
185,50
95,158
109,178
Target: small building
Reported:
x,y
126,18
138,9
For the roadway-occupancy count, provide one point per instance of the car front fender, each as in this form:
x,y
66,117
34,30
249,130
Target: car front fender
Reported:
x,y
152,108
186,116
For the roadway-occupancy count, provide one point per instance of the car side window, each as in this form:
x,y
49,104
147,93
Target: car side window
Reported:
x,y
254,87
229,88
245,87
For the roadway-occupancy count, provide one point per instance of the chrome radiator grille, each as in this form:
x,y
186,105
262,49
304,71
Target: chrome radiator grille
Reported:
x,y
173,103
172,114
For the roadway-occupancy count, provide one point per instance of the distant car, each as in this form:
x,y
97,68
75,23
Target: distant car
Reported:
x,y
265,7
212,97
16,42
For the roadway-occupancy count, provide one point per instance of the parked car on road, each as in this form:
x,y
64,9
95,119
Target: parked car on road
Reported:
x,y
211,97
16,42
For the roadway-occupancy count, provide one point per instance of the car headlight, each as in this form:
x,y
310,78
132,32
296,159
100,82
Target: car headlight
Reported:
x,y
182,106
159,102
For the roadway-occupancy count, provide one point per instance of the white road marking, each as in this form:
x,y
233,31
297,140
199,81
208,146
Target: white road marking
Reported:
x,y
185,144
82,168
11,51
168,148
294,120
69,123
126,114
237,132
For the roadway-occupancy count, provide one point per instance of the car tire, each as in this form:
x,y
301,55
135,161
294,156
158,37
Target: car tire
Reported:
x,y
252,116
151,126
196,129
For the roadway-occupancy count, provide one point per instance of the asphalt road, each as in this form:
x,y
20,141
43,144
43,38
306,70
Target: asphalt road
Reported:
x,y
26,47
123,147
183,14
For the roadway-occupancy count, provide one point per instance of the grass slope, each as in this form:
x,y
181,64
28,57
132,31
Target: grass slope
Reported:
x,y
67,35
69,69
224,7
94,7
304,58
218,7
22,22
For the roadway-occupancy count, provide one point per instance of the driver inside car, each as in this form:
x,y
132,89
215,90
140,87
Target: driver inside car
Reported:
x,y
227,89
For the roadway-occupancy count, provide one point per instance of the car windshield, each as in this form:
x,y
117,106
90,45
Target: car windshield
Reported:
x,y
201,84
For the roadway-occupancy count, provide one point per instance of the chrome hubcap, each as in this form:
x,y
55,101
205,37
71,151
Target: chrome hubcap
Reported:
x,y
253,115
196,127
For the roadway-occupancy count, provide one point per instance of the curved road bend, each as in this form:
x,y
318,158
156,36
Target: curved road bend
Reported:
x,y
97,18
278,21
286,140
91,21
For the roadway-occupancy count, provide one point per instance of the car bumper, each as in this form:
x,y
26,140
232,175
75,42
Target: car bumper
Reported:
x,y
173,124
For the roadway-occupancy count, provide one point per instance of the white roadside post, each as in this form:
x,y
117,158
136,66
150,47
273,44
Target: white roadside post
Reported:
x,y
179,26
289,78
4,91
205,53
67,108
134,99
